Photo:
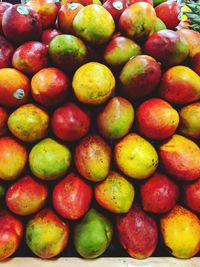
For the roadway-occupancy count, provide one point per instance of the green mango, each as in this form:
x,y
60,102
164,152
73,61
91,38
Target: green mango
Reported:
x,y
92,235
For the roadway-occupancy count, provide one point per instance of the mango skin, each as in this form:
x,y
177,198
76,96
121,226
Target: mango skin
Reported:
x,y
49,160
160,25
116,119
181,158
135,156
189,120
92,158
29,123
92,235
115,193
193,39
180,77
46,234
180,230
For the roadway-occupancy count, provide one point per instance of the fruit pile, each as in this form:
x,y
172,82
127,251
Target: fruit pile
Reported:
x,y
100,128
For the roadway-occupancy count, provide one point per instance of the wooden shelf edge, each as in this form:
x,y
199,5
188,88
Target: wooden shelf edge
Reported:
x,y
101,262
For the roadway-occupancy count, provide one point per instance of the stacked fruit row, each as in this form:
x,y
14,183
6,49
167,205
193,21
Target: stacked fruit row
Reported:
x,y
99,113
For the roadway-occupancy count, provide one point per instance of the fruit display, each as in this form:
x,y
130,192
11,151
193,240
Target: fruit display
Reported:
x,y
100,128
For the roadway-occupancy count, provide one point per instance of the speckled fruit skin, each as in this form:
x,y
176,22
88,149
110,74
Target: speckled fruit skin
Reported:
x,y
30,57
13,158
3,121
196,63
191,195
116,119
14,87
20,23
86,231
135,156
168,12
139,77
6,52
47,11
193,40
115,193
181,158
11,231
119,50
93,83
49,34
156,119
72,197
29,123
50,86
46,234
49,160
26,196
92,158
115,8
137,233
167,47
68,52
180,230
159,193
94,24
70,122
189,120
3,7
180,77
138,21
66,16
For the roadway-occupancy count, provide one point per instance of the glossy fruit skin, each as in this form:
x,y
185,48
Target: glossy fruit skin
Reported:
x,y
138,21
26,196
93,83
46,234
13,158
11,231
159,193
191,195
167,47
30,57
14,87
137,1
66,16
180,77
156,119
72,197
86,231
115,193
68,52
193,40
3,7
168,12
49,34
21,23
50,86
181,158
49,160
189,120
94,24
180,230
135,156
138,233
47,11
115,8
116,119
119,50
70,122
160,25
92,158
139,77
3,121
82,2
6,52
196,63
29,123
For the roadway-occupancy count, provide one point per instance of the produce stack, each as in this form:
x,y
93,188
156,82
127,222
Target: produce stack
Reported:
x,y
100,128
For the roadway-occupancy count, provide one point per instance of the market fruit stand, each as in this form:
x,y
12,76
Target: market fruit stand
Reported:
x,y
99,133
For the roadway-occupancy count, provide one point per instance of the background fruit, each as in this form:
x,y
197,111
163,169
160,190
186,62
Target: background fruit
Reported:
x,y
85,232
3,7
196,63
48,35
192,195
3,121
6,52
